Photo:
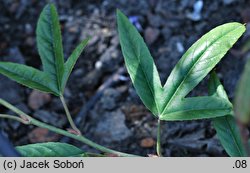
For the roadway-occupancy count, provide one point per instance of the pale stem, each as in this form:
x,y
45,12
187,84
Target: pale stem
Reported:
x,y
158,143
69,117
81,138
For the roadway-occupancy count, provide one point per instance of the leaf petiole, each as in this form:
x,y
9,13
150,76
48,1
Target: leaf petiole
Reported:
x,y
158,143
69,117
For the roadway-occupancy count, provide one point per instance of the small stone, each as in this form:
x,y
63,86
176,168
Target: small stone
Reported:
x,y
28,28
147,142
73,29
151,35
30,41
10,91
109,99
228,2
91,80
15,55
42,135
110,59
134,112
37,99
196,14
179,47
112,126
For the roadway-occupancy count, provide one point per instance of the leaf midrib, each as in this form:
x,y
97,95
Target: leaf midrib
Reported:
x,y
144,74
234,138
192,69
22,77
54,50
196,110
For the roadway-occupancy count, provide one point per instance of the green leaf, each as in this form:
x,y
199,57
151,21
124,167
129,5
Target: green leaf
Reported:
x,y
50,149
140,64
226,126
198,108
49,43
28,76
196,63
242,97
70,63
168,102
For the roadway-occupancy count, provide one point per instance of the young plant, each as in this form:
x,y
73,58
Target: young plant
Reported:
x,y
169,102
166,102
55,72
52,79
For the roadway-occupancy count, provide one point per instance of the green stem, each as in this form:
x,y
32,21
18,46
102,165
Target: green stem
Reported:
x,y
158,144
77,137
81,138
69,117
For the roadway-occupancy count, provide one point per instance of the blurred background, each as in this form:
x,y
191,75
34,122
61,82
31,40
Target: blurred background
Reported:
x,y
99,92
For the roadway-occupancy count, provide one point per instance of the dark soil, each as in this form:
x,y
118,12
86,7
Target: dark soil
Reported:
x,y
99,93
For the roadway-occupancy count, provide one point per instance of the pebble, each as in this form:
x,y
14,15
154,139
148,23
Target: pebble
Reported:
x,y
109,99
151,35
147,142
38,99
42,135
10,90
180,47
112,127
196,14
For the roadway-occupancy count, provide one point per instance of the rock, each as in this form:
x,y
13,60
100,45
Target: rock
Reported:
x,y
38,99
179,47
109,60
147,142
151,35
30,41
42,135
134,112
196,14
28,28
91,80
228,2
135,21
10,91
112,127
109,99
15,56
